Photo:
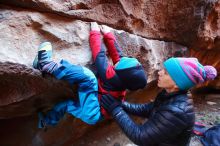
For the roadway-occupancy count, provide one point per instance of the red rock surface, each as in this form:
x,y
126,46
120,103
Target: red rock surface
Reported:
x,y
154,31
208,32
23,91
22,31
179,21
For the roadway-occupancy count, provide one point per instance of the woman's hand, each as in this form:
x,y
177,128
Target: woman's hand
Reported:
x,y
110,103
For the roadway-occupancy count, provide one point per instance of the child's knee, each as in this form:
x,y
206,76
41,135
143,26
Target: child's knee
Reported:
x,y
92,118
90,79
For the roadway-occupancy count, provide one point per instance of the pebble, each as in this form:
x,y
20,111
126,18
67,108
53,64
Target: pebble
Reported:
x,y
130,144
116,144
211,103
108,139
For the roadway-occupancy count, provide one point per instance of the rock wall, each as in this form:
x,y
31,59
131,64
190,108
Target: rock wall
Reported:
x,y
186,22
23,30
148,30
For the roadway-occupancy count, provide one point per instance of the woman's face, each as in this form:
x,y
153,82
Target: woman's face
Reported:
x,y
165,81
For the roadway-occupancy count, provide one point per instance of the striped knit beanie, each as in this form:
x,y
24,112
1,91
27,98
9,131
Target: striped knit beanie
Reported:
x,y
187,72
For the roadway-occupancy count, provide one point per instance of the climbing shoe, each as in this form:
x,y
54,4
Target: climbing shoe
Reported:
x,y
43,60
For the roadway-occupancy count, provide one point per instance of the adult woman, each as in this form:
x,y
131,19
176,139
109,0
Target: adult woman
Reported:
x,y
171,116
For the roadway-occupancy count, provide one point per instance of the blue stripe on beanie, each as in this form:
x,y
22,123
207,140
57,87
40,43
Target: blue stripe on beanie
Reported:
x,y
126,62
174,69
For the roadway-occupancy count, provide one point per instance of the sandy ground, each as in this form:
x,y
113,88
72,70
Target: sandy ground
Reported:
x,y
207,109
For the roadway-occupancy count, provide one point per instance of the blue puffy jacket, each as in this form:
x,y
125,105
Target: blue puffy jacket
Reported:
x,y
170,120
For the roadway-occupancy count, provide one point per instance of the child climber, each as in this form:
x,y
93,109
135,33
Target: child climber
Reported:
x,y
87,108
127,73
114,80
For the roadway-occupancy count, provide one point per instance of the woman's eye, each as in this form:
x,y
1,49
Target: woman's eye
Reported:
x,y
165,72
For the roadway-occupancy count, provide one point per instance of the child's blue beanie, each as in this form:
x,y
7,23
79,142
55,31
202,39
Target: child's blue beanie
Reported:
x,y
131,73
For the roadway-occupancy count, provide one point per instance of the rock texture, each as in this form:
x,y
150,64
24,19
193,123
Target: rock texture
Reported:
x,y
148,30
187,22
22,31
24,91
208,33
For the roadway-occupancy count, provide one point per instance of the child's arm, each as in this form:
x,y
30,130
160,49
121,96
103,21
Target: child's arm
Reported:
x,y
113,48
104,68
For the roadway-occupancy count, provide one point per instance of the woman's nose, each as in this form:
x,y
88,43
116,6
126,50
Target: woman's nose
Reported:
x,y
159,72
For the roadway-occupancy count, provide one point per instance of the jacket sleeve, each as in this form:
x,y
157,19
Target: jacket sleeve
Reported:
x,y
142,110
104,68
113,48
164,125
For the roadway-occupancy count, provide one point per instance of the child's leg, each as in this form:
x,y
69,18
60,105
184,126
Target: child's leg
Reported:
x,y
88,108
88,99
113,48
56,113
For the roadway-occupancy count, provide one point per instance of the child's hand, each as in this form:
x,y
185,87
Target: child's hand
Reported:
x,y
105,29
94,26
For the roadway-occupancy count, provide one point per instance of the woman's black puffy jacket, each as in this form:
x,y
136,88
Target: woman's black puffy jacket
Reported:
x,y
170,120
